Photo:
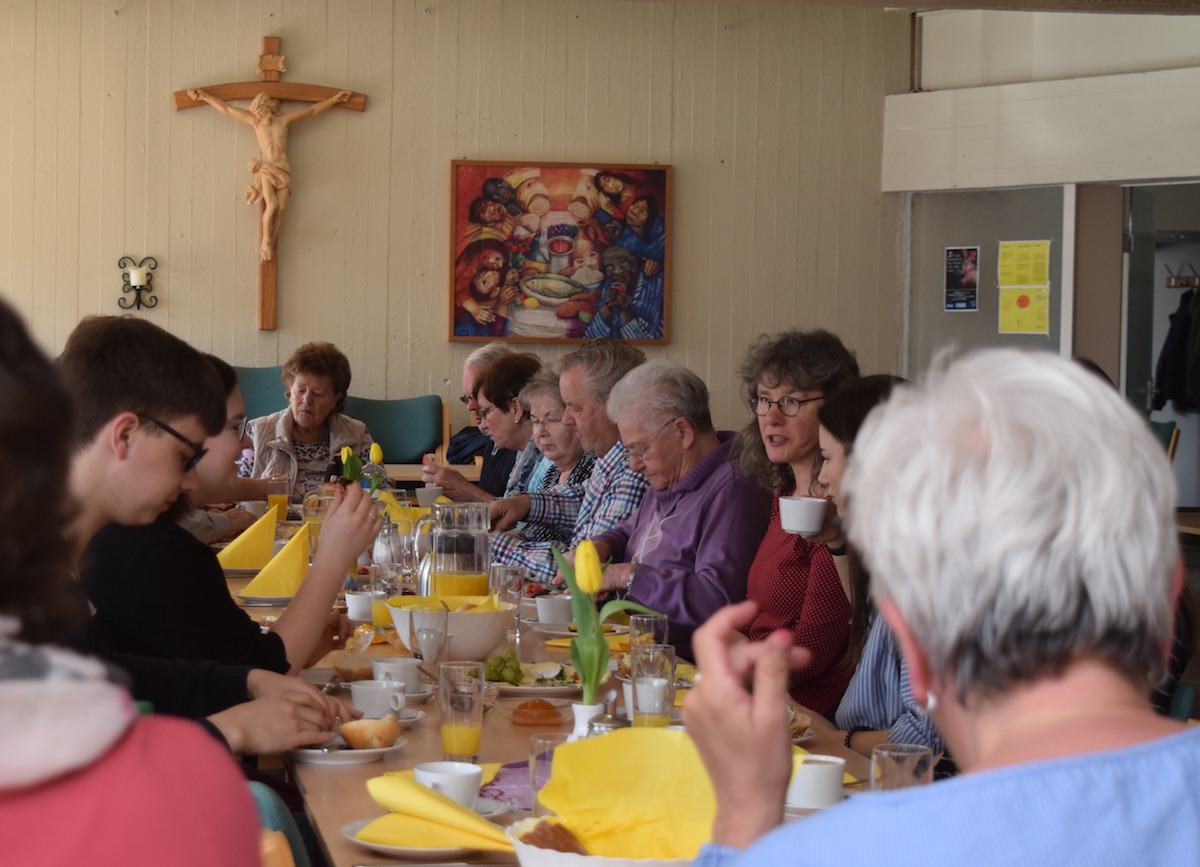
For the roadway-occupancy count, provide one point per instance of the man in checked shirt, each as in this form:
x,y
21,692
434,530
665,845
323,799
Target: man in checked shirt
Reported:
x,y
586,377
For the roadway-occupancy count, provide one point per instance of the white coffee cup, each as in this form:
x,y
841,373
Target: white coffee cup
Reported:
x,y
816,781
257,508
802,515
399,669
554,609
427,496
375,698
358,604
458,781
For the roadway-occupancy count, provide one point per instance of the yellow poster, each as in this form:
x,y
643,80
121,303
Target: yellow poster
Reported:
x,y
1025,310
1024,263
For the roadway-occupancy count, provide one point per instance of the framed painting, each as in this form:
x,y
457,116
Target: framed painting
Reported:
x,y
559,252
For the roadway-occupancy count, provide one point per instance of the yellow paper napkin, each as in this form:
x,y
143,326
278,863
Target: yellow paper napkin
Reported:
x,y
404,516
634,793
616,643
282,576
425,819
253,548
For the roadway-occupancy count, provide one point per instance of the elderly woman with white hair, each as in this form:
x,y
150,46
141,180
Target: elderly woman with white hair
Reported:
x,y
1017,517
686,549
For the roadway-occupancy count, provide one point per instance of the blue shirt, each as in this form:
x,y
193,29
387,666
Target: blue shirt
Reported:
x,y
1132,806
880,696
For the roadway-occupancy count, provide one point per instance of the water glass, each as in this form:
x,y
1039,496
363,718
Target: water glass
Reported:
x,y
647,629
508,583
652,673
541,760
427,631
898,766
460,700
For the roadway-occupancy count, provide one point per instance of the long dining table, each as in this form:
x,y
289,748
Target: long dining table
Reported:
x,y
335,795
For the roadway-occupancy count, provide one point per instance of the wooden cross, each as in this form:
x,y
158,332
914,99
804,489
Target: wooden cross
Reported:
x,y
269,180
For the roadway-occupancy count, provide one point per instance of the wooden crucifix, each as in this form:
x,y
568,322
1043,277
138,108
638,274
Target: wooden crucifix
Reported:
x,y
272,184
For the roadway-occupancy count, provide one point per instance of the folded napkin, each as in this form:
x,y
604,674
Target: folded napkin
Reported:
x,y
424,819
253,548
634,793
404,516
616,643
480,603
798,754
282,576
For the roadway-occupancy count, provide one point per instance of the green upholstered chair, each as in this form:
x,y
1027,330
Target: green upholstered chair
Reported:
x,y
1168,435
406,428
262,389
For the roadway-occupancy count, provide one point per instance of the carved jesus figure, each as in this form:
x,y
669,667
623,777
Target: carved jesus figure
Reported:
x,y
273,174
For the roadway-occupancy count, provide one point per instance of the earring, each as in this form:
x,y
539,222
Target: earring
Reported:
x,y
931,703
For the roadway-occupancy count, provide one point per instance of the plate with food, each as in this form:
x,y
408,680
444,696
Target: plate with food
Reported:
x,y
539,712
800,724
569,629
531,678
339,752
550,289
351,829
270,601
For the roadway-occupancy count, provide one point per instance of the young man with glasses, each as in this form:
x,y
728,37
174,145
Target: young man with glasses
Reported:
x,y
144,402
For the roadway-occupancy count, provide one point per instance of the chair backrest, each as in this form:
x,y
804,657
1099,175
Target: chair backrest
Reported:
x,y
262,389
405,428
1168,434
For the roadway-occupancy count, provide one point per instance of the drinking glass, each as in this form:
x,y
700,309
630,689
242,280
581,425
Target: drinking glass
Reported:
x,y
278,490
541,759
647,629
316,506
460,700
508,583
653,679
898,766
427,629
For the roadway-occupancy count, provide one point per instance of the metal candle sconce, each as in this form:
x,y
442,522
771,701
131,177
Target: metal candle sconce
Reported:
x,y
137,277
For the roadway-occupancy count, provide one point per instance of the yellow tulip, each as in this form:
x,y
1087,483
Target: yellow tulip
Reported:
x,y
376,453
587,567
346,453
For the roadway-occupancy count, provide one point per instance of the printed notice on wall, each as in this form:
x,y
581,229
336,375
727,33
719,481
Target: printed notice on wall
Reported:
x,y
1023,272
961,287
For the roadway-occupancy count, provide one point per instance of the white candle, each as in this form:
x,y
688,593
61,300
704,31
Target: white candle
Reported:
x,y
139,276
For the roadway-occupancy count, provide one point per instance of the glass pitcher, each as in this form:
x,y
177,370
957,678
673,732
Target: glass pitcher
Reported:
x,y
457,555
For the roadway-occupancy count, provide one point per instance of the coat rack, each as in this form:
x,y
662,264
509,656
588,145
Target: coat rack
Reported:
x,y
1179,281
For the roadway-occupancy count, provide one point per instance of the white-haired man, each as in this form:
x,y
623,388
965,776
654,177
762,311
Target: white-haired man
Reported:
x,y
1017,517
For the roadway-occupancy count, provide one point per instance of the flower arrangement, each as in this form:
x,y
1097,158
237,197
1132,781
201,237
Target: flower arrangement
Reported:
x,y
352,467
589,647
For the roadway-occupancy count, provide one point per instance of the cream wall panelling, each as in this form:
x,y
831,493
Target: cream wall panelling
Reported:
x,y
1142,126
975,48
770,114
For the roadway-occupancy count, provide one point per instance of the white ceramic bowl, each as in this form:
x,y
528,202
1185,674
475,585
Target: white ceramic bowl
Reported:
x,y
473,634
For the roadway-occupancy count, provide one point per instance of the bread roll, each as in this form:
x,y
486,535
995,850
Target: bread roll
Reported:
x,y
536,712
549,834
371,734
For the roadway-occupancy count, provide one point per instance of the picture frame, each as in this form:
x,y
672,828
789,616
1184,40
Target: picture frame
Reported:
x,y
559,252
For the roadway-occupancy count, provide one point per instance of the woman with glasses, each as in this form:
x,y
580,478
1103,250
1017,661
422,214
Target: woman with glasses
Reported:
x,y
504,417
795,582
566,462
158,591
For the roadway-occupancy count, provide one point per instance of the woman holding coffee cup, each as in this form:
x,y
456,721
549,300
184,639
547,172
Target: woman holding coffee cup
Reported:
x,y
795,581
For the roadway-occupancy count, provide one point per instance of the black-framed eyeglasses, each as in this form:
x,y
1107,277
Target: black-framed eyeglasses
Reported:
x,y
240,425
789,406
482,412
465,398
638,453
198,451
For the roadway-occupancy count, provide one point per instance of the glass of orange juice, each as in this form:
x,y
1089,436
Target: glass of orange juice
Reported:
x,y
460,700
278,490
